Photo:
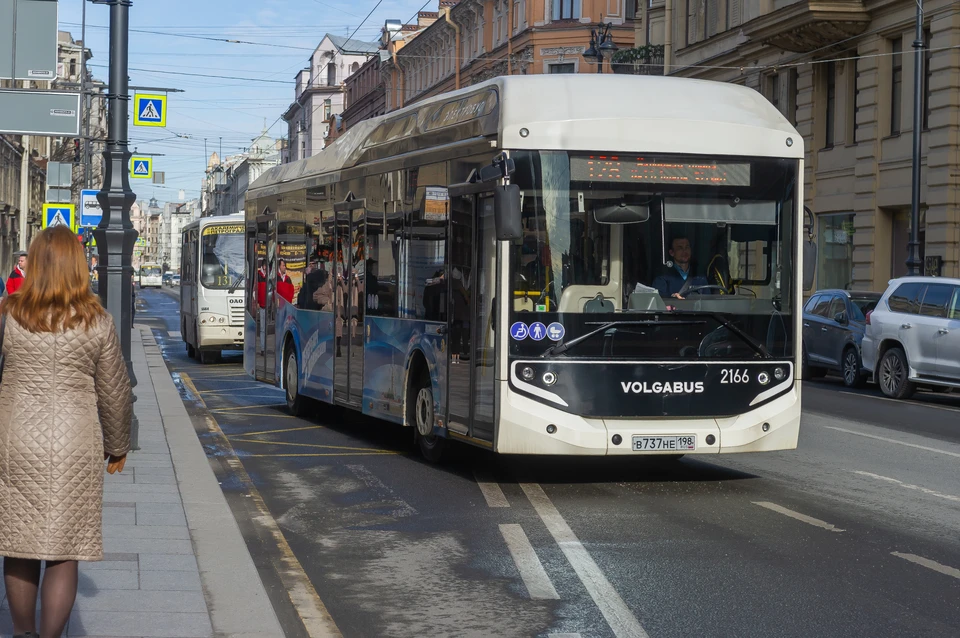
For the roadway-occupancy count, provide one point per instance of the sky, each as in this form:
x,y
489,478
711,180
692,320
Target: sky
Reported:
x,y
231,91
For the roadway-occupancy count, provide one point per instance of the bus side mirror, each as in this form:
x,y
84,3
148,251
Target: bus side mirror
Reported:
x,y
809,263
506,212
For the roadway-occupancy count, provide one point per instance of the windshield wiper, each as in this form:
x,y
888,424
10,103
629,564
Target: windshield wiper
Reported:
x,y
755,345
562,347
236,284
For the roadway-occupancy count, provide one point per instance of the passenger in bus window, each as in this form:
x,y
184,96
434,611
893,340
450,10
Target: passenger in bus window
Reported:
x,y
284,284
673,280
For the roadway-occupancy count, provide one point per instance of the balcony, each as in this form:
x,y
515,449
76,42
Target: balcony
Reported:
x,y
644,60
808,25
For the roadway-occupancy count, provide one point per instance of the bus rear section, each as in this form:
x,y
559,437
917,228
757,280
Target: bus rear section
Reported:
x,y
151,276
211,287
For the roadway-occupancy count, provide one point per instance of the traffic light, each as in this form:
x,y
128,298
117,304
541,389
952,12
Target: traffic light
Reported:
x,y
76,151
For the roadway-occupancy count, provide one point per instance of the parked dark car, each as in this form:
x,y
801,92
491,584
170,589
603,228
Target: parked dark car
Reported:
x,y
833,325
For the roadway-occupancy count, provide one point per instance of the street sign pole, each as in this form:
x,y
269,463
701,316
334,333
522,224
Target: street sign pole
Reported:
x,y
115,236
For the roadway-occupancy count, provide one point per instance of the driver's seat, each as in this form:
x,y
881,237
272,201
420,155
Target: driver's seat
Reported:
x,y
599,304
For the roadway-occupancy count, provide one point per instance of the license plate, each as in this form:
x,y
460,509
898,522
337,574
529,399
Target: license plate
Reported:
x,y
664,443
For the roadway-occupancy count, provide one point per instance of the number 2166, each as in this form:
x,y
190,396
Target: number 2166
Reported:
x,y
733,375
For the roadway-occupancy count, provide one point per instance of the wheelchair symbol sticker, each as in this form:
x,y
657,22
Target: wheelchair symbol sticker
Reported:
x,y
519,331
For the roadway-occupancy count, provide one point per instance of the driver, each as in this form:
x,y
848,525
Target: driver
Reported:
x,y
671,282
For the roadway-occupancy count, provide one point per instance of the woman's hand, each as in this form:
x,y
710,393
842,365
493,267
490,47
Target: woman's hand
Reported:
x,y
115,463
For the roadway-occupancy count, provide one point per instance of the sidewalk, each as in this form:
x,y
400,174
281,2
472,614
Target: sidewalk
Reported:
x,y
175,563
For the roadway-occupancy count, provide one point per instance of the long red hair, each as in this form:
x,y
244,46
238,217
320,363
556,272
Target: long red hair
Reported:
x,y
56,293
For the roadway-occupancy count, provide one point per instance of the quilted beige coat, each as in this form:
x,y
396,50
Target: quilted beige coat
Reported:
x,y
64,400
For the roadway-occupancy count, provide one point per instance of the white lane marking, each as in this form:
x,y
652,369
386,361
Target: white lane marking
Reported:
x,y
528,564
883,438
614,610
174,335
491,490
901,401
908,486
816,522
930,564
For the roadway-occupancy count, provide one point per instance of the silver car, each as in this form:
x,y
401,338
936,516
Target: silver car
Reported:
x,y
912,337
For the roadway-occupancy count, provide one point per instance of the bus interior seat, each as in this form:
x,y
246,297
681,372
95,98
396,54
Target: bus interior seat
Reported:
x,y
646,301
599,304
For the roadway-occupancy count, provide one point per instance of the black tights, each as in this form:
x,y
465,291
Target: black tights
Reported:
x,y
59,591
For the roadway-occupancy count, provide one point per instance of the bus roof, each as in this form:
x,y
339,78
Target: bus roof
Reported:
x,y
583,112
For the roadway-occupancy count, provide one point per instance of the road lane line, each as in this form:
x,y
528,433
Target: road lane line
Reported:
x,y
901,401
307,427
611,605
883,438
380,489
908,486
930,564
816,522
255,406
491,490
528,564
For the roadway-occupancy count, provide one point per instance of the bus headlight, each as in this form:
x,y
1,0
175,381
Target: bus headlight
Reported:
x,y
549,378
207,318
778,374
763,378
527,373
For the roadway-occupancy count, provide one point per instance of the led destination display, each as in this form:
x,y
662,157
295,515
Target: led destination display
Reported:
x,y
612,168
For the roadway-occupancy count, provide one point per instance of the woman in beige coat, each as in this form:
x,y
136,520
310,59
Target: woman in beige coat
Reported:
x,y
65,407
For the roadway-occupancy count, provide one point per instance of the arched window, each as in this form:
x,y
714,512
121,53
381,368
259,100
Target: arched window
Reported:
x,y
354,67
331,74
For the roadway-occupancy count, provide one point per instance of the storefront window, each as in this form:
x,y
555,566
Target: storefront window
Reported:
x,y
835,251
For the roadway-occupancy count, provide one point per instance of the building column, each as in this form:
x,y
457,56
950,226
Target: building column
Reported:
x,y
871,239
943,169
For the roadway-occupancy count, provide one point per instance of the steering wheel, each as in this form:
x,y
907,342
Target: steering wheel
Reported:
x,y
699,288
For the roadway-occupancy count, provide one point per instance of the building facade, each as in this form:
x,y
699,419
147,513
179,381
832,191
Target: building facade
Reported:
x,y
175,217
475,40
843,73
319,93
152,236
11,202
225,183
364,93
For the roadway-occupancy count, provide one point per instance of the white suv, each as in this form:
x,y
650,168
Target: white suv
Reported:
x,y
913,336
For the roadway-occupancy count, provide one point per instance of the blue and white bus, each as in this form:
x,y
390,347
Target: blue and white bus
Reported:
x,y
518,268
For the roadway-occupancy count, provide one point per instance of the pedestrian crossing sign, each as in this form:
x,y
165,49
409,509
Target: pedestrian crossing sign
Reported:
x,y
141,167
60,215
149,110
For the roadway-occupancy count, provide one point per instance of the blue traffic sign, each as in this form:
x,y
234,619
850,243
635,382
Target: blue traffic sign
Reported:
x,y
555,331
519,331
90,211
150,110
538,331
59,215
141,167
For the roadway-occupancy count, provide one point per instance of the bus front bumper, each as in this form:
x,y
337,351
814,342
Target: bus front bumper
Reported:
x,y
223,337
524,429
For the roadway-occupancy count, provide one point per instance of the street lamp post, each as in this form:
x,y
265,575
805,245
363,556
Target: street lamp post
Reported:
x,y
115,235
913,257
601,46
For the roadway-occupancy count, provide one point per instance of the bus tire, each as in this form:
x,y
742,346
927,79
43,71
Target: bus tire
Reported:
x,y
296,404
191,351
421,417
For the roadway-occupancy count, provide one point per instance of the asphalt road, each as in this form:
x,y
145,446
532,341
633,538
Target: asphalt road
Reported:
x,y
853,534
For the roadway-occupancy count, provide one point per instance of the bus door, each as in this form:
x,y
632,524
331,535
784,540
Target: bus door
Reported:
x,y
348,316
472,277
265,290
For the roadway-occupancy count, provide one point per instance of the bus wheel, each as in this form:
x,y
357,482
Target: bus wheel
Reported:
x,y
431,445
191,351
291,382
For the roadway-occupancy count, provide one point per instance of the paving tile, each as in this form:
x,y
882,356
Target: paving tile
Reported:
x,y
168,580
168,562
135,532
112,623
170,509
119,515
144,601
110,499
100,565
161,519
155,479
149,545
95,580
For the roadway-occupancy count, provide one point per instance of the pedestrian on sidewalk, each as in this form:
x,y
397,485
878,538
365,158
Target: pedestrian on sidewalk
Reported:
x,y
15,280
65,407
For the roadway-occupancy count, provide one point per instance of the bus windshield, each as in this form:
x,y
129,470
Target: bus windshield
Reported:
x,y
150,271
686,257
221,255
